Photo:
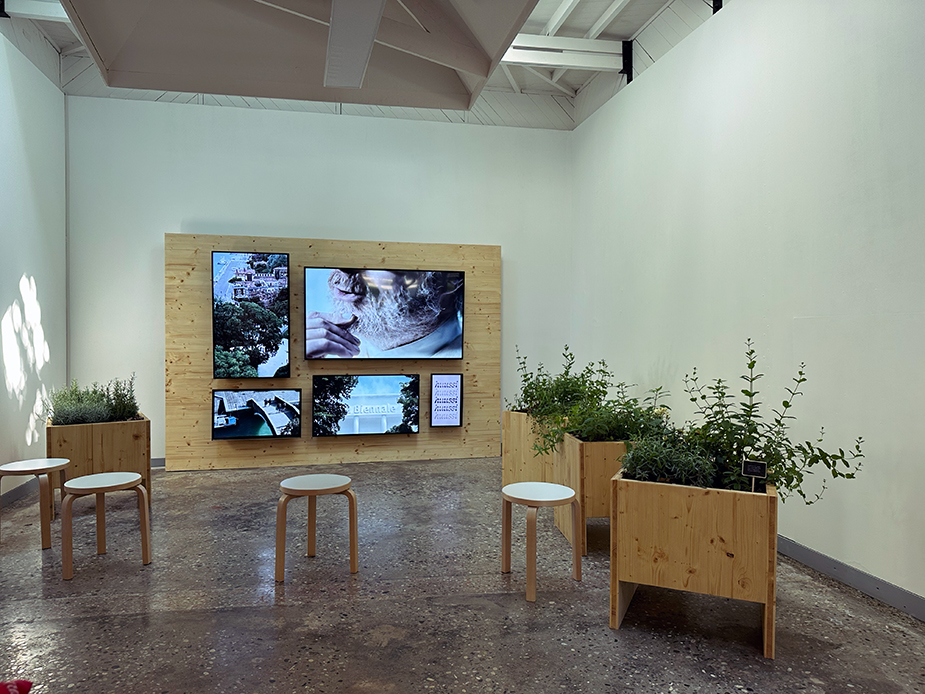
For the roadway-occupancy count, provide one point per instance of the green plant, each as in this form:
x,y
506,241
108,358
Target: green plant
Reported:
x,y
729,431
668,458
546,395
620,418
576,403
114,402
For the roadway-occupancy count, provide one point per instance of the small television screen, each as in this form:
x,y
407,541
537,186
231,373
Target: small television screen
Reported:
x,y
347,405
383,314
446,397
256,414
250,315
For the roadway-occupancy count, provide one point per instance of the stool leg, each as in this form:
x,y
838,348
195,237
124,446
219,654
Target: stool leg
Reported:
x,y
101,523
312,508
62,478
144,520
354,539
577,522
506,507
1,487
67,544
531,553
281,537
46,502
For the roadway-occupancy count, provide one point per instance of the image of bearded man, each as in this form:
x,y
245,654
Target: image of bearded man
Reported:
x,y
384,314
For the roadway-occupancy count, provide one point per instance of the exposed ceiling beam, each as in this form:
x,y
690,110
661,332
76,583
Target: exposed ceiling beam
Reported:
x,y
450,50
351,35
562,52
605,20
510,78
40,10
559,16
545,78
74,49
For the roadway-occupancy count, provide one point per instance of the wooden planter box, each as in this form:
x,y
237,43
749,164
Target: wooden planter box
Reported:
x,y
104,447
711,541
585,467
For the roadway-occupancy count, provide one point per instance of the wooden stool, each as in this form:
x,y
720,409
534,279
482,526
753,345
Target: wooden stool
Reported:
x,y
313,486
533,495
99,484
41,468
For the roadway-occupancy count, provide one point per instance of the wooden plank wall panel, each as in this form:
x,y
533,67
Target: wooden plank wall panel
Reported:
x,y
711,541
189,383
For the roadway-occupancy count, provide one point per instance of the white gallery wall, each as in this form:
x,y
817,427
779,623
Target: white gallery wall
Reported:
x,y
33,340
138,170
765,179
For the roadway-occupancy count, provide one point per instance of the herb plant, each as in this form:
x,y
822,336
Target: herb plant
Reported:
x,y
728,431
669,458
576,403
114,402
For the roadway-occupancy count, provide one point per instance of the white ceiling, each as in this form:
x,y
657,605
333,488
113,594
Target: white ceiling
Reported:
x,y
445,60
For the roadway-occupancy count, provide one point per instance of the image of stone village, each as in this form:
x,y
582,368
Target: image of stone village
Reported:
x,y
250,315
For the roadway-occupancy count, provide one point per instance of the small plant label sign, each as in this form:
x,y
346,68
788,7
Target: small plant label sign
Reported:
x,y
754,468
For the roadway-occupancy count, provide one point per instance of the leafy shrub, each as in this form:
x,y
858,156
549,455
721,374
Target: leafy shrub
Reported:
x,y
669,458
546,395
728,432
577,404
621,418
114,402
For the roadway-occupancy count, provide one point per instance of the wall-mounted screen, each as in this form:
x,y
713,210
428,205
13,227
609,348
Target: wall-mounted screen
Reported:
x,y
255,414
346,405
383,314
250,315
446,395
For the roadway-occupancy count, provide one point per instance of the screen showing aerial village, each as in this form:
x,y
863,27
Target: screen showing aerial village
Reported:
x,y
250,315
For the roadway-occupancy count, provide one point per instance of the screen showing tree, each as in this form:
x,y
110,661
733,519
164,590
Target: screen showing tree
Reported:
x,y
250,315
345,405
383,314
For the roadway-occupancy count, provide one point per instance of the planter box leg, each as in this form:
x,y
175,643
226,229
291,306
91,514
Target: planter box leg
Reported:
x,y
767,622
621,593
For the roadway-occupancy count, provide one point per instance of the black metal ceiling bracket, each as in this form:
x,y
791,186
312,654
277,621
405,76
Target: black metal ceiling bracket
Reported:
x,y
627,61
3,10
717,6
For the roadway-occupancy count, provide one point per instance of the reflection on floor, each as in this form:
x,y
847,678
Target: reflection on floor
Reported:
x,y
428,611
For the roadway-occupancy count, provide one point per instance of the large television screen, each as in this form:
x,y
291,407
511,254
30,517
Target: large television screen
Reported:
x,y
383,314
347,405
250,315
256,414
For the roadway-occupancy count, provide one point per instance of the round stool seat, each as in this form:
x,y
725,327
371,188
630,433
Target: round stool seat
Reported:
x,y
36,466
41,468
538,493
312,485
99,484
102,482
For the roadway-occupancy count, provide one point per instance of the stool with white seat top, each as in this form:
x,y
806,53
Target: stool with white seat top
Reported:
x,y
41,468
535,495
313,486
99,484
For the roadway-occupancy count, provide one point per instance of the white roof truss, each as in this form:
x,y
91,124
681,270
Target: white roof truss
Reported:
x,y
559,52
39,10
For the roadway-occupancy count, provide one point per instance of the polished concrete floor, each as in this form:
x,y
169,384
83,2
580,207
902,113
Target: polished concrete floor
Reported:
x,y
429,610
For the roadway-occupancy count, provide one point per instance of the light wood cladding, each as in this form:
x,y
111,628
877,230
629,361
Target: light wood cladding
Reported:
x,y
103,447
712,541
189,382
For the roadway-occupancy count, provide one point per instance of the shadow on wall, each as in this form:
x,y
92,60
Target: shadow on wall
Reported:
x,y
25,352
